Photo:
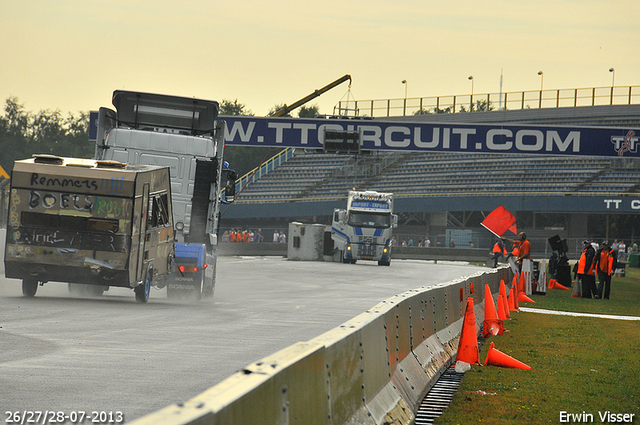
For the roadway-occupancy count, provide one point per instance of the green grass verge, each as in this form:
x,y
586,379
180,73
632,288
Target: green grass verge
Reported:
x,y
580,365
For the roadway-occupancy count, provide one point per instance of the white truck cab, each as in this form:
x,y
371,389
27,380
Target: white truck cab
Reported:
x,y
363,231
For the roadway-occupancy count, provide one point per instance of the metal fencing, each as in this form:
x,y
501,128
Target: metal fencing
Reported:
x,y
533,99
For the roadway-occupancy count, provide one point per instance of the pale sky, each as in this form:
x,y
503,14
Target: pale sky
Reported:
x,y
72,54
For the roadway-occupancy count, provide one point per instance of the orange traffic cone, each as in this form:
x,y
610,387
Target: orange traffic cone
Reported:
x,y
503,295
552,283
524,298
489,305
468,346
502,315
521,283
512,302
557,285
498,358
492,327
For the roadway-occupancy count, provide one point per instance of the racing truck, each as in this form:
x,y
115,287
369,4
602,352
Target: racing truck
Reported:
x,y
185,135
363,231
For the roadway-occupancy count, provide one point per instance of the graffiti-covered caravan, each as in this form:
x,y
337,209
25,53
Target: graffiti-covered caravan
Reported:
x,y
363,231
93,224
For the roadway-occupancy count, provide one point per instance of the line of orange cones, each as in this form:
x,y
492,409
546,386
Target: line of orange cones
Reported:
x,y
493,324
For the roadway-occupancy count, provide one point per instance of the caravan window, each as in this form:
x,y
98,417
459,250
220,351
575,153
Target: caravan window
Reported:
x,y
158,211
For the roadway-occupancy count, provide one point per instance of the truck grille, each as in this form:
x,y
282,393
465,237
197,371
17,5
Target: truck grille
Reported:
x,y
366,250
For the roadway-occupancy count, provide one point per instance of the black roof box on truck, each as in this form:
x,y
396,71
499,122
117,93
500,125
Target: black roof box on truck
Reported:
x,y
140,110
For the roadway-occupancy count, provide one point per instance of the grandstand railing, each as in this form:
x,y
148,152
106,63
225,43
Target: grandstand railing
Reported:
x,y
264,168
533,99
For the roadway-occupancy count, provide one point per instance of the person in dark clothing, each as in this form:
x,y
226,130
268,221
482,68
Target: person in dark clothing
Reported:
x,y
606,261
498,251
586,270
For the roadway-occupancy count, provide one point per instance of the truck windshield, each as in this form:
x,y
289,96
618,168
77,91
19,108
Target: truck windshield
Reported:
x,y
369,219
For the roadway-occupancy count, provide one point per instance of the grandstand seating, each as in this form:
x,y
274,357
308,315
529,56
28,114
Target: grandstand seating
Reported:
x,y
310,175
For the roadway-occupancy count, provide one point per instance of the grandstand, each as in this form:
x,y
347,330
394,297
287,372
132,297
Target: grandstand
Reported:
x,y
310,175
309,184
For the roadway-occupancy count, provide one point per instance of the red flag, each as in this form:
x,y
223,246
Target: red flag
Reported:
x,y
499,221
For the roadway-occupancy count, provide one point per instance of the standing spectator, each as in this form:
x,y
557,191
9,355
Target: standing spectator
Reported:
x,y
258,236
471,245
622,251
232,235
410,241
225,236
452,244
427,242
585,270
276,236
283,237
615,246
605,265
251,236
245,236
498,251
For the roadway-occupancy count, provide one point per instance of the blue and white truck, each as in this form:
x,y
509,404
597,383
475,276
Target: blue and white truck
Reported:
x,y
363,231
184,134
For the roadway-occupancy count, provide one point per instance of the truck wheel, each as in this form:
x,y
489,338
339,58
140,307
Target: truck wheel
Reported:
x,y
384,263
29,287
142,291
208,287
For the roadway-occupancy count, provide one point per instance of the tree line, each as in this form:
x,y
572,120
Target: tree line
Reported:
x,y
24,133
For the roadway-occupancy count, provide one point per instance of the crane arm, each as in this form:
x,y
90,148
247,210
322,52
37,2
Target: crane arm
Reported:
x,y
286,109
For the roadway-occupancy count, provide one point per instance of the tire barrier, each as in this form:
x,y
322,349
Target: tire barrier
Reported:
x,y
373,369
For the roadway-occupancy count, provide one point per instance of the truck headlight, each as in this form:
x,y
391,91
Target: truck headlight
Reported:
x,y
385,250
348,247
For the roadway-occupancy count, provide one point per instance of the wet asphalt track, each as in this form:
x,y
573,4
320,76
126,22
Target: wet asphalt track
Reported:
x,y
110,353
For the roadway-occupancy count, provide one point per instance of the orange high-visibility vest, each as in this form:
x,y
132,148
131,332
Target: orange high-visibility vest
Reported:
x,y
582,264
605,262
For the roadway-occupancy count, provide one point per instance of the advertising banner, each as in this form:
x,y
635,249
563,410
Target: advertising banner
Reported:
x,y
423,137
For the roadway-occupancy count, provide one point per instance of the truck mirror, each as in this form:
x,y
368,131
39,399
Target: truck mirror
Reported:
x,y
342,216
394,220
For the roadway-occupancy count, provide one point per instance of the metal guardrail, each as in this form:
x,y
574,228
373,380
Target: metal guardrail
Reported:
x,y
264,168
373,369
533,99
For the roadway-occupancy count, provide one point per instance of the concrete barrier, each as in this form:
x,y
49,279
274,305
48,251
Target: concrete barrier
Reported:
x,y
229,249
373,369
